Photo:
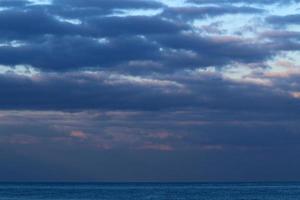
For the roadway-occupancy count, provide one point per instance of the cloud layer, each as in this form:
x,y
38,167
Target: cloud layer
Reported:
x,y
187,85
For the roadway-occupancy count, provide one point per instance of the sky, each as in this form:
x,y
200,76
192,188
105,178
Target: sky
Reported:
x,y
149,90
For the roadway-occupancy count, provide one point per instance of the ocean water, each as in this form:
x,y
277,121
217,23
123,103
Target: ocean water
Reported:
x,y
150,191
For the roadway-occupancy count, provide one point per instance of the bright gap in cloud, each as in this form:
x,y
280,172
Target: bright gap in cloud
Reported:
x,y
135,12
13,43
174,3
22,70
40,2
231,24
71,21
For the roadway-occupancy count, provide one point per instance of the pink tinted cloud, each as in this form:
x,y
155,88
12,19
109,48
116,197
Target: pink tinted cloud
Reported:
x,y
296,95
290,69
160,135
78,134
212,147
157,147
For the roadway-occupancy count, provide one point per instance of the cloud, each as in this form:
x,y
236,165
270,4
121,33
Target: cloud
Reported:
x,y
78,134
244,1
190,13
155,88
92,90
22,25
13,3
284,20
113,4
108,41
159,147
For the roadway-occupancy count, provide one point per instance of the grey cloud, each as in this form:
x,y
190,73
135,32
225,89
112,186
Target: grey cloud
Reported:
x,y
284,20
13,3
71,53
113,4
190,13
118,92
32,23
80,9
215,51
63,46
112,26
244,1
138,94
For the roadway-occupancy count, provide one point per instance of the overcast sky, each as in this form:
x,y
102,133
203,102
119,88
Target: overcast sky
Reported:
x,y
145,90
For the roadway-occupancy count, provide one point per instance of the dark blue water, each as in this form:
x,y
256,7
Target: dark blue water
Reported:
x,y
160,191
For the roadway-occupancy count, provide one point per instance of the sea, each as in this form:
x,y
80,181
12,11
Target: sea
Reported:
x,y
150,191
